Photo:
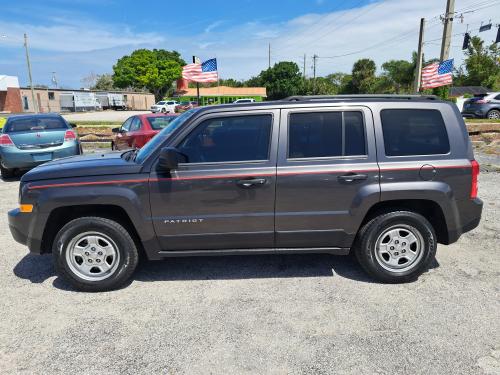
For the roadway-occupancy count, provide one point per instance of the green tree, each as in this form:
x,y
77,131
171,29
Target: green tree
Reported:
x,y
363,76
282,80
482,65
154,70
341,81
103,82
399,74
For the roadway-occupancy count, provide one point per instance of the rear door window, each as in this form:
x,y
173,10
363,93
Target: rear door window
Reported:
x,y
414,132
326,134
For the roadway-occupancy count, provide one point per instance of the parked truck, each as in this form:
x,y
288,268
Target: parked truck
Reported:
x,y
79,101
113,101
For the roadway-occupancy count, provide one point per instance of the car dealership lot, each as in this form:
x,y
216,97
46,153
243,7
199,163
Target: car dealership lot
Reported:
x,y
257,314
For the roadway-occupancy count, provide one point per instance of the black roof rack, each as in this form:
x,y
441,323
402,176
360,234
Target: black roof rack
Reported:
x,y
299,98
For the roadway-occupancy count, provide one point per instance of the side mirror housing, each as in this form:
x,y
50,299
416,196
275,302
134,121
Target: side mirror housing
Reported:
x,y
115,130
170,158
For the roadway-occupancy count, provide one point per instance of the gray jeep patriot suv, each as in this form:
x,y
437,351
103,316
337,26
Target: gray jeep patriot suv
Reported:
x,y
387,177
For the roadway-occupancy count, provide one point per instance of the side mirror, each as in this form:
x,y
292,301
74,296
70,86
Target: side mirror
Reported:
x,y
170,158
73,125
115,130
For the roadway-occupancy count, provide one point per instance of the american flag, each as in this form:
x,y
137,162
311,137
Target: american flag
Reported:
x,y
206,72
436,74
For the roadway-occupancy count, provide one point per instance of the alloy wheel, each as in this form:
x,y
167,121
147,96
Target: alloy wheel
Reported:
x,y
399,248
92,256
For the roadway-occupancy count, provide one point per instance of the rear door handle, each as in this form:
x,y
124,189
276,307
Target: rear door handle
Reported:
x,y
351,177
251,182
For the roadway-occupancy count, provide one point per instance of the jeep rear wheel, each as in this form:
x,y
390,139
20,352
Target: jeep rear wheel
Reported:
x,y
396,247
95,254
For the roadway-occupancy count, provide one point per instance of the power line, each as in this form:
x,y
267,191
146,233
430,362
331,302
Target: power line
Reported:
x,y
336,27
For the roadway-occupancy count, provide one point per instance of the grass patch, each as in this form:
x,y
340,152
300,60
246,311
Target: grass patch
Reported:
x,y
97,123
481,120
96,145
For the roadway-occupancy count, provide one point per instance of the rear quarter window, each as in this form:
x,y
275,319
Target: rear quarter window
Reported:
x,y
414,132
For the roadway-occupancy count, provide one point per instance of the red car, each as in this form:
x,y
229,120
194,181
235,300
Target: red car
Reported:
x,y
138,130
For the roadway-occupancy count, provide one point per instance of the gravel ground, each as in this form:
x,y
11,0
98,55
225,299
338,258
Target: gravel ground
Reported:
x,y
257,314
102,115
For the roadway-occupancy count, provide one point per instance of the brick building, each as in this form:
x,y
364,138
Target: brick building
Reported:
x,y
16,99
10,97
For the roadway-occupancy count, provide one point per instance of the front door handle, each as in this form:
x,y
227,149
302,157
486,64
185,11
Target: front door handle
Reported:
x,y
251,182
351,177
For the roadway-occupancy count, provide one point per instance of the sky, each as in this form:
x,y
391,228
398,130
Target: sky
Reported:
x,y
75,38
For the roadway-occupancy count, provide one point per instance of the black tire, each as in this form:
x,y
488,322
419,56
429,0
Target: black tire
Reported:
x,y
493,114
125,246
6,172
163,110
373,262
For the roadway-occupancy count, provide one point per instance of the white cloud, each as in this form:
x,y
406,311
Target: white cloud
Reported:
x,y
339,33
76,36
74,48
213,25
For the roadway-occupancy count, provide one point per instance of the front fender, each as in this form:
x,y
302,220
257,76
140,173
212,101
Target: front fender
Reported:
x,y
132,197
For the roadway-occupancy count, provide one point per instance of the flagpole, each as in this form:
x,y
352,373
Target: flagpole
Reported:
x,y
197,84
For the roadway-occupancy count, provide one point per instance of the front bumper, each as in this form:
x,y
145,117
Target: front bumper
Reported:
x,y
15,158
24,229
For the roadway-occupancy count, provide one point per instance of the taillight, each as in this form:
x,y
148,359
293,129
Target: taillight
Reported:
x,y
475,174
5,141
69,136
482,101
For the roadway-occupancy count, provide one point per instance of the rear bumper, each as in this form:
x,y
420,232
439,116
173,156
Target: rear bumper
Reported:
x,y
470,216
15,158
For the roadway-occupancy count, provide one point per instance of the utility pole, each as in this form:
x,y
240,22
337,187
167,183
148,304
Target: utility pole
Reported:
x,y
35,106
54,79
304,68
315,57
418,70
448,21
269,56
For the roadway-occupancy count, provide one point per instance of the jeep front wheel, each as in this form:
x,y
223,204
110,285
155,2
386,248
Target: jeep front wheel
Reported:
x,y
396,247
94,254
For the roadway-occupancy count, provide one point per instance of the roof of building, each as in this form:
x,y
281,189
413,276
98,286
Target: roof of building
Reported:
x,y
471,90
8,81
225,91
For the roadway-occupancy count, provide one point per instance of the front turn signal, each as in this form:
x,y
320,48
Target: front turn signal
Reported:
x,y
26,208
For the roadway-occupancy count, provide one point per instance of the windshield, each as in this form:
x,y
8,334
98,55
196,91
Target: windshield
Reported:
x,y
160,103
159,138
34,124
